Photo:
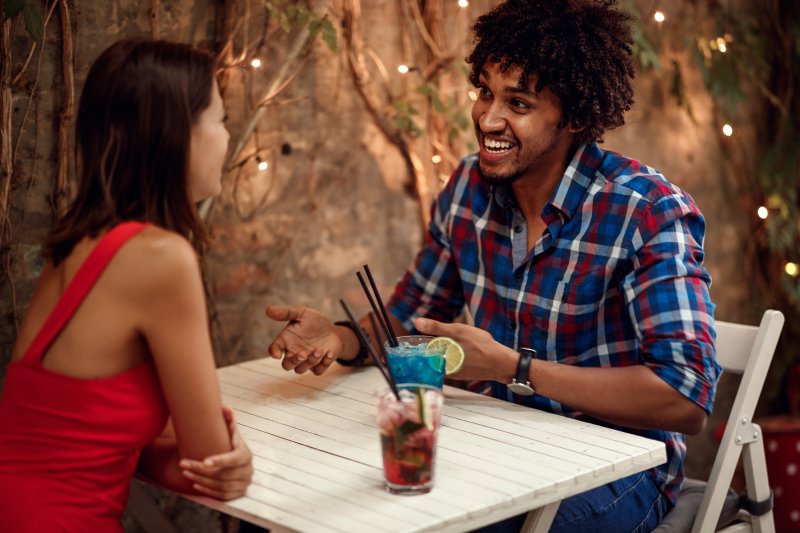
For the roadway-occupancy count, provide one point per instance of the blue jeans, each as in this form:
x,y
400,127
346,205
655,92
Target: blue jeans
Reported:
x,y
632,504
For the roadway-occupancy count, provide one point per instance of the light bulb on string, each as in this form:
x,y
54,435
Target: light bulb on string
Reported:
x,y
262,165
721,46
463,3
255,63
436,159
792,269
727,130
659,17
473,96
763,212
403,69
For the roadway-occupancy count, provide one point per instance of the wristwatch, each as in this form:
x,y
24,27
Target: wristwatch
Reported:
x,y
520,384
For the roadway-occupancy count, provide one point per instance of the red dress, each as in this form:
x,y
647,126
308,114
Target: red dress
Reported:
x,y
69,446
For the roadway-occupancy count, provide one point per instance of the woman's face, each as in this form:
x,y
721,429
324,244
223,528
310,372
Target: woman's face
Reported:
x,y
207,150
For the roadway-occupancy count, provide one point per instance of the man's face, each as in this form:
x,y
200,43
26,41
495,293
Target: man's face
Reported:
x,y
519,130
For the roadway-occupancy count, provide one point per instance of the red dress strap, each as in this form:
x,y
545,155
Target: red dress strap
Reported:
x,y
79,287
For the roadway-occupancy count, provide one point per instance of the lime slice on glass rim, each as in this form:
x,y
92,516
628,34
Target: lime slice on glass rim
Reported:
x,y
453,353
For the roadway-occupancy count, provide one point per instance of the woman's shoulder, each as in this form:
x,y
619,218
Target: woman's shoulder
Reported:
x,y
157,256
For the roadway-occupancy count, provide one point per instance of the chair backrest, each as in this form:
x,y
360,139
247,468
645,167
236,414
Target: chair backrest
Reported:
x,y
745,350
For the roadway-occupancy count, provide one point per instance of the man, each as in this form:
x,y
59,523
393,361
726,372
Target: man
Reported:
x,y
591,259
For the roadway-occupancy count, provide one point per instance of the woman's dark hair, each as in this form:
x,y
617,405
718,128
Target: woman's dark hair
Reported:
x,y
133,132
579,49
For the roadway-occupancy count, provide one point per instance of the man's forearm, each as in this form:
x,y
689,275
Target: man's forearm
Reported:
x,y
631,396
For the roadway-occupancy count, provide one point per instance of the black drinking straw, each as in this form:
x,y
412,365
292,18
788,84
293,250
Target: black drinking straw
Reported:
x,y
390,332
372,304
364,340
378,337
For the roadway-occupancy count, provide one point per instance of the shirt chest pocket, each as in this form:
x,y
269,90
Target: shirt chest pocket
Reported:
x,y
582,293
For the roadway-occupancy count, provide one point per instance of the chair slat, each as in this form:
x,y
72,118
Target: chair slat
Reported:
x,y
734,344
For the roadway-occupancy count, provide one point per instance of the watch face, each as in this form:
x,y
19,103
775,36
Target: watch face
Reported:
x,y
520,388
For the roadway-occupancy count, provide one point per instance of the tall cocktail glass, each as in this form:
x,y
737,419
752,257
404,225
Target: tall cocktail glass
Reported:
x,y
411,362
408,430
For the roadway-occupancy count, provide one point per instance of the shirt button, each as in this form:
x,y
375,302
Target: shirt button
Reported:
x,y
518,228
512,325
518,276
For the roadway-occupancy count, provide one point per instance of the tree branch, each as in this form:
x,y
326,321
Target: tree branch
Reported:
x,y
60,193
351,20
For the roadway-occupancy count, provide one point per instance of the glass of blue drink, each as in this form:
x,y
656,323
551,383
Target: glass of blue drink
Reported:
x,y
411,362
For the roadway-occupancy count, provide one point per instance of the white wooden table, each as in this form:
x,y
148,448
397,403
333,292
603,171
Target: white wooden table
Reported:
x,y
318,463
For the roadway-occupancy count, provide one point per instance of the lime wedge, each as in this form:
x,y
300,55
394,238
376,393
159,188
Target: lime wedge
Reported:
x,y
453,353
425,413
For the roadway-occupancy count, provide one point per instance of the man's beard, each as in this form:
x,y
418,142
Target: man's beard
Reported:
x,y
498,179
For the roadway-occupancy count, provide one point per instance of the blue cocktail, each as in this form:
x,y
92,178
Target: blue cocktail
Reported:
x,y
411,362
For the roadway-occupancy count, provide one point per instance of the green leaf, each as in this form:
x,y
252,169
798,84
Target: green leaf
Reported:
x,y
34,24
329,34
12,8
679,90
302,17
796,32
643,50
314,26
286,26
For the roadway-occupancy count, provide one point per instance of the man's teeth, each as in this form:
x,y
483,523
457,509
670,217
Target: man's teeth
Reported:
x,y
497,146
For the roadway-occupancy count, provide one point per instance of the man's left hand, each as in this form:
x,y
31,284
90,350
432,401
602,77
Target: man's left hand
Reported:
x,y
486,359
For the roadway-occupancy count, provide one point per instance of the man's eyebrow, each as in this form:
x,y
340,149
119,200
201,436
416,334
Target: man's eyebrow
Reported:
x,y
515,89
522,90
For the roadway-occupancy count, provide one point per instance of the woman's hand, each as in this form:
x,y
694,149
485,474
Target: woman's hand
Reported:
x,y
224,476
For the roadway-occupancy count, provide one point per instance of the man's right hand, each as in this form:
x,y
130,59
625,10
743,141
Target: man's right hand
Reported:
x,y
308,342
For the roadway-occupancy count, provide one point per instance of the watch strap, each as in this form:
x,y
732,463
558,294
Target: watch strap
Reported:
x,y
361,357
526,355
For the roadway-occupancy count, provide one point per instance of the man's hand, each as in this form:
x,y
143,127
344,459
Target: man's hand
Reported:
x,y
486,359
308,342
224,476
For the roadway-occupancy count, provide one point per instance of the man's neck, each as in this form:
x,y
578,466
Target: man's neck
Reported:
x,y
533,191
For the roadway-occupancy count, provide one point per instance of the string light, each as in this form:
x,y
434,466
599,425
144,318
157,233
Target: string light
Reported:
x,y
436,159
403,69
721,46
473,96
463,3
727,130
263,165
255,63
763,213
792,269
659,16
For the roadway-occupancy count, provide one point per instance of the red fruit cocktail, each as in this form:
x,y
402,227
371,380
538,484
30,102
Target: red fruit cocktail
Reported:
x,y
408,430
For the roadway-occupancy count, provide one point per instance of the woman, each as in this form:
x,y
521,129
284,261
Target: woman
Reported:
x,y
113,367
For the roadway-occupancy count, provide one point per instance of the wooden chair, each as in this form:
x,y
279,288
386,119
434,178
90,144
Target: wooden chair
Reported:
x,y
745,350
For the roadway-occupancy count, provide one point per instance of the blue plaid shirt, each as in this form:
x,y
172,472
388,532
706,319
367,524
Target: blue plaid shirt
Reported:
x,y
615,280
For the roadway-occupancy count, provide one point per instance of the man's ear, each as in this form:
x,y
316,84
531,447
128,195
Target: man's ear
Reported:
x,y
575,128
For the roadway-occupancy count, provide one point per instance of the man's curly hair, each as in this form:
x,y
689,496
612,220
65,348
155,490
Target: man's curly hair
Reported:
x,y
579,49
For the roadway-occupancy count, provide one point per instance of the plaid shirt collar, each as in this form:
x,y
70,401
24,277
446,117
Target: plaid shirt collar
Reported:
x,y
571,190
